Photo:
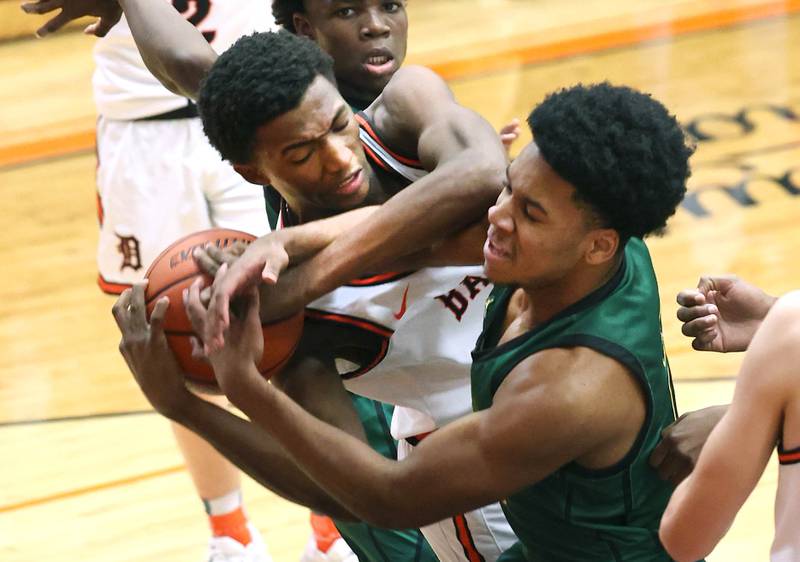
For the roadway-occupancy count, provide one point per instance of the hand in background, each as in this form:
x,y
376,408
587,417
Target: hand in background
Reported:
x,y
723,313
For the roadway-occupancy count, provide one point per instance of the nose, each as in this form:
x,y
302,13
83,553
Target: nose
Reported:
x,y
500,215
374,25
337,155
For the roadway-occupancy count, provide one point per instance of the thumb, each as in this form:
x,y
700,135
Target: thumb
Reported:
x,y
273,267
102,27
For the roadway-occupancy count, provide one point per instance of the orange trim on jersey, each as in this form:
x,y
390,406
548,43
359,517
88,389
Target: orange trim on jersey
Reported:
x,y
378,279
465,539
100,213
375,157
111,288
402,159
789,458
378,358
365,324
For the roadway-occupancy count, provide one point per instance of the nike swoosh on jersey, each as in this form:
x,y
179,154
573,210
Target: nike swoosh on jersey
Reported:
x,y
400,313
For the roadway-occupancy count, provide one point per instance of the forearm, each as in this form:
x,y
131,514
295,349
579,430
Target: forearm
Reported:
x,y
456,194
419,490
173,50
305,240
256,453
429,211
693,524
347,468
464,248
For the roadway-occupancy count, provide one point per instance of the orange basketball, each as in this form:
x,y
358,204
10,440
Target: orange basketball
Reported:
x,y
173,271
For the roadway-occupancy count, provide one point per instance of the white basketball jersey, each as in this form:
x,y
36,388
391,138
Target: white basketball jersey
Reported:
x,y
421,326
786,545
123,87
424,326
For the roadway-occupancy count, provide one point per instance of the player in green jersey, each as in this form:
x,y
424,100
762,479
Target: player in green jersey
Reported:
x,y
571,386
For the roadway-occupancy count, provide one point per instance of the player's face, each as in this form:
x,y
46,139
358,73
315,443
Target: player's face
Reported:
x,y
312,154
537,233
366,38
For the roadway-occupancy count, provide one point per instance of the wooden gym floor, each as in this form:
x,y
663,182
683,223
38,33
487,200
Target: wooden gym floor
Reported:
x,y
89,473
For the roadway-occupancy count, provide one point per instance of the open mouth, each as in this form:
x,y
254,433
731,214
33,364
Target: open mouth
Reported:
x,y
379,61
490,250
351,183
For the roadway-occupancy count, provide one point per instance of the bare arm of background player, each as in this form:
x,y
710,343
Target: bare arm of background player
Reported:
x,y
416,113
173,50
703,507
253,450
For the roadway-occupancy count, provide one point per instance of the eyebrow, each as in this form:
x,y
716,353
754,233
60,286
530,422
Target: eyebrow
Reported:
x,y
300,144
527,200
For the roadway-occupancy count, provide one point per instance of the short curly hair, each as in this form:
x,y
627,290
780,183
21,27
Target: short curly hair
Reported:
x,y
284,10
260,77
626,156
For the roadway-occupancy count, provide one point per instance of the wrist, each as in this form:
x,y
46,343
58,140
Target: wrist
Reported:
x,y
768,303
176,406
234,375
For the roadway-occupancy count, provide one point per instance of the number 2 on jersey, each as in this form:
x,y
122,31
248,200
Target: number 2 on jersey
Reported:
x,y
195,11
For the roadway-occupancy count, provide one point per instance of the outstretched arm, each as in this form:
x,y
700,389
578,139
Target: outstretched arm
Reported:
x,y
466,160
466,163
704,506
503,454
173,50
144,348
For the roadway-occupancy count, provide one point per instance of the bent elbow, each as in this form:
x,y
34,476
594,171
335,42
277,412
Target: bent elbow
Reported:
x,y
186,72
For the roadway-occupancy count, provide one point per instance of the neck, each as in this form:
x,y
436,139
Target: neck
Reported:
x,y
355,97
548,300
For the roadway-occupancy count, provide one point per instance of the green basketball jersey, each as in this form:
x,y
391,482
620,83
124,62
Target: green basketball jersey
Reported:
x,y
372,544
576,514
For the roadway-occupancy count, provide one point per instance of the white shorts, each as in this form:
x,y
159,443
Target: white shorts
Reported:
x,y
482,534
158,181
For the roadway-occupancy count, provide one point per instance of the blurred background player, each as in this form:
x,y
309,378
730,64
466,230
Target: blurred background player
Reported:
x,y
727,314
158,179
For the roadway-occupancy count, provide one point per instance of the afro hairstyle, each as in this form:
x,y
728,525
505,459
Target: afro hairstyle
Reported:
x,y
621,150
261,77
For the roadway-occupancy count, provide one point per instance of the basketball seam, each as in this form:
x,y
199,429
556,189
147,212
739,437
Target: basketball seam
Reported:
x,y
166,288
171,247
288,354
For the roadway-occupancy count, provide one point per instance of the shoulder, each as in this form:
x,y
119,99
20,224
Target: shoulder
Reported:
x,y
411,81
409,99
580,403
577,383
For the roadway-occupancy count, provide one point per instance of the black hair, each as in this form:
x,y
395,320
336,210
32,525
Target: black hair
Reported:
x,y
283,12
626,156
260,77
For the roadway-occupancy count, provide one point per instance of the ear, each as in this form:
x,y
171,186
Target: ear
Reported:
x,y
252,174
603,245
303,27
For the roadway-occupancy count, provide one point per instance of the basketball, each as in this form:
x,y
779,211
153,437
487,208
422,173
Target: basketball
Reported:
x,y
175,270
